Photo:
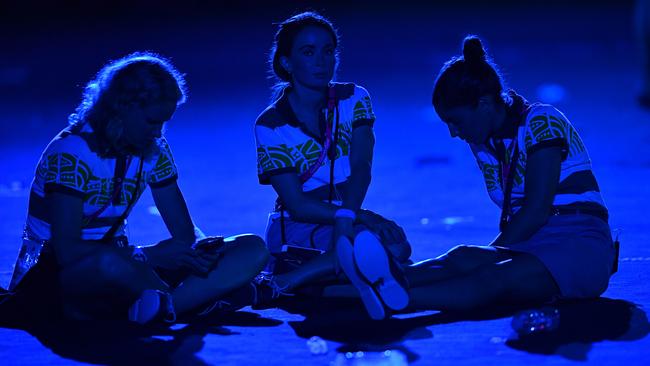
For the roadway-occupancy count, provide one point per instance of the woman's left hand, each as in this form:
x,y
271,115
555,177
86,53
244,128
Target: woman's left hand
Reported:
x,y
388,230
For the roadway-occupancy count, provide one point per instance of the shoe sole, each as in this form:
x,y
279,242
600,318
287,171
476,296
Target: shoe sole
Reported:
x,y
370,299
372,261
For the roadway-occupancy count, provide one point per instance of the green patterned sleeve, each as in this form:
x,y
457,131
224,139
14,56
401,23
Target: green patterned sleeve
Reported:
x,y
65,173
273,155
164,171
546,127
362,114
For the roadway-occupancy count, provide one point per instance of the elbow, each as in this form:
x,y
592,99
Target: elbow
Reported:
x,y
295,210
296,213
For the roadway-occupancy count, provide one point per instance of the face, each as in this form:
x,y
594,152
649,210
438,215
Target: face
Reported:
x,y
470,124
143,124
312,59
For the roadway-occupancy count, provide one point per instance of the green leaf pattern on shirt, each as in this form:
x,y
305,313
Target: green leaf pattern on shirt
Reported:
x,y
65,169
165,167
363,109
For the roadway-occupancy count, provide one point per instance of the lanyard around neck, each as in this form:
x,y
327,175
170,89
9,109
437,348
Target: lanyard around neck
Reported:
x,y
508,168
121,167
332,107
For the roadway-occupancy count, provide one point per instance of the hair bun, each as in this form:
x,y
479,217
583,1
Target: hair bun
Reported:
x,y
473,49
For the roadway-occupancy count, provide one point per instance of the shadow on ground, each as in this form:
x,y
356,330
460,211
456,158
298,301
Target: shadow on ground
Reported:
x,y
582,323
124,343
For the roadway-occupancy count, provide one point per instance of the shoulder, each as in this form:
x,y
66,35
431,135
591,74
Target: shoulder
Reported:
x,y
343,91
544,114
270,117
69,144
350,91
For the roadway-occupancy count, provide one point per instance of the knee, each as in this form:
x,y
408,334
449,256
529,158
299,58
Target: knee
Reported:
x,y
457,255
255,250
461,251
401,251
113,269
466,257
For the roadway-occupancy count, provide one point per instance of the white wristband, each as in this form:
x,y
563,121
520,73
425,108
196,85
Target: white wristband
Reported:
x,y
344,213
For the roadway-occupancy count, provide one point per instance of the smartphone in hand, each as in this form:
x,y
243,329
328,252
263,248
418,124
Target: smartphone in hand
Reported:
x,y
209,244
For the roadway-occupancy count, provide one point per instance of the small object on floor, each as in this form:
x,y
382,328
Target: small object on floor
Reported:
x,y
360,358
317,346
535,321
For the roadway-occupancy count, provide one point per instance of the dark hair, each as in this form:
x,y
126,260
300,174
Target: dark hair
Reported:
x,y
283,42
140,77
463,80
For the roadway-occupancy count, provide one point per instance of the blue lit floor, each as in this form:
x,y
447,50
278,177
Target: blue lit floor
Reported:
x,y
421,178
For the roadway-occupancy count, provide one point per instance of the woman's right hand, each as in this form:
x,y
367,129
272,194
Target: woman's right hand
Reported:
x,y
388,231
173,254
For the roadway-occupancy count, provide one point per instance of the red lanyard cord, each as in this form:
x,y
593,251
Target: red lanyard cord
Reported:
x,y
508,170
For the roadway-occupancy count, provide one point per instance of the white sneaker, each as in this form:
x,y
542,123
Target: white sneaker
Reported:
x,y
370,299
381,271
151,305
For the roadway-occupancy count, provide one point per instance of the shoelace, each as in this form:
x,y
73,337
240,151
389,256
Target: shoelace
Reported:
x,y
170,316
267,279
278,291
219,304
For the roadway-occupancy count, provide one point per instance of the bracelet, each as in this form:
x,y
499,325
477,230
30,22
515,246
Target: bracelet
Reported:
x,y
138,255
344,213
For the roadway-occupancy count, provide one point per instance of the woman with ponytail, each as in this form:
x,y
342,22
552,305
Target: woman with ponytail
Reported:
x,y
315,147
554,239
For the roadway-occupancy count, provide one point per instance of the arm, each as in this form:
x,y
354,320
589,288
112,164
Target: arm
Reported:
x,y
303,208
172,207
177,252
66,214
300,206
541,180
361,151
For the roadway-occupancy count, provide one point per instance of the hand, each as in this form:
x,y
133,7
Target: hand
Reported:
x,y
174,255
389,232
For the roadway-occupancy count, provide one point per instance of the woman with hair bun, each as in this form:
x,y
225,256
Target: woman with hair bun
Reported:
x,y
554,240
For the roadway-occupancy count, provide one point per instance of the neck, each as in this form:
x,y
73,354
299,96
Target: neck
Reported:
x,y
308,98
503,127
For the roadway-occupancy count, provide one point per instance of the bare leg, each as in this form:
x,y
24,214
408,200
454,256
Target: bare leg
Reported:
x,y
118,281
457,261
245,258
522,279
316,269
104,282
460,259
